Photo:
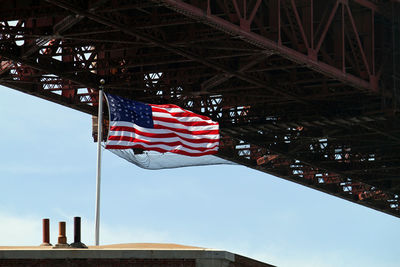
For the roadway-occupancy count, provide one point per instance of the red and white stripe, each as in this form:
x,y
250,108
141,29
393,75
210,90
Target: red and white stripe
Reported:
x,y
175,130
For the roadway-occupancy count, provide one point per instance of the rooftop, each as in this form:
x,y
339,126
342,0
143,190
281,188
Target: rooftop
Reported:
x,y
131,254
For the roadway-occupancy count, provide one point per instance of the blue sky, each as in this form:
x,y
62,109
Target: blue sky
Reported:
x,y
48,170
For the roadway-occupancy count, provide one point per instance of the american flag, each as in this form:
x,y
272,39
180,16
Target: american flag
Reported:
x,y
161,128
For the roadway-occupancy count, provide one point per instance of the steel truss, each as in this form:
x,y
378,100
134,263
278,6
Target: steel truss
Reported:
x,y
305,90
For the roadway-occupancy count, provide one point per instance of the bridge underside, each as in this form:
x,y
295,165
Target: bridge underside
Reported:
x,y
305,90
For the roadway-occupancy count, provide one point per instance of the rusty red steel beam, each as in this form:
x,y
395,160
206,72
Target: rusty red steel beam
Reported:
x,y
307,177
55,98
220,78
303,34
368,4
53,67
176,50
244,22
58,28
353,25
325,30
305,60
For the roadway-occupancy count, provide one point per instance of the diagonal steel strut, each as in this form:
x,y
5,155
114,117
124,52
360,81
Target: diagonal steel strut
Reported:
x,y
179,51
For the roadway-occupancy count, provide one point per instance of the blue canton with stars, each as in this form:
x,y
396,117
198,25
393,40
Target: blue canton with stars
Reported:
x,y
123,109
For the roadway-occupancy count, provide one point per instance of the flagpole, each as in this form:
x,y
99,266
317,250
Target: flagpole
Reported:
x,y
98,177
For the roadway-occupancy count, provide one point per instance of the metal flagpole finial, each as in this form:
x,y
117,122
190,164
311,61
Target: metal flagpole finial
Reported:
x,y
102,82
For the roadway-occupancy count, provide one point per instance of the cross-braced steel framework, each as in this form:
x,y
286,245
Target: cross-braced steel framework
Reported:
x,y
305,90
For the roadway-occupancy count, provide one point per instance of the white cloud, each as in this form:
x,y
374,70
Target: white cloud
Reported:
x,y
19,230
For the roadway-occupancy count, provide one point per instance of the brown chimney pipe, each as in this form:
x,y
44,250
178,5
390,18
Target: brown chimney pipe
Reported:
x,y
46,232
62,238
